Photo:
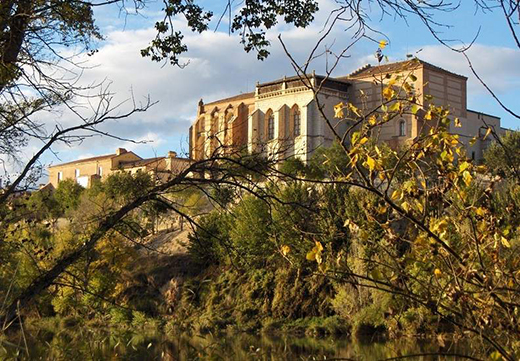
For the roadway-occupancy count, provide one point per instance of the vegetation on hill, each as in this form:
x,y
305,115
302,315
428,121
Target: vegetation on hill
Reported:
x,y
364,239
312,254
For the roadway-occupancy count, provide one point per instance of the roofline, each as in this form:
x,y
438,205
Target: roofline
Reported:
x,y
477,112
92,159
148,161
358,72
85,160
228,99
297,77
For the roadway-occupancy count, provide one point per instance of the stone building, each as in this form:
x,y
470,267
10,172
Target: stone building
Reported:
x,y
281,118
86,171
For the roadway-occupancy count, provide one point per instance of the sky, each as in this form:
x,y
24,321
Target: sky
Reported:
x,y
218,67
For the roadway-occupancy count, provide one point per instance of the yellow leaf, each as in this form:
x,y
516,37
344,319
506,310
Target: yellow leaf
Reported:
x,y
388,93
338,110
467,177
488,132
437,272
372,120
363,140
482,169
481,211
472,140
505,242
419,205
371,163
464,166
285,250
311,256
315,253
318,258
396,194
495,356
457,123
382,209
440,226
353,109
319,247
428,115
405,206
355,137
383,44
396,107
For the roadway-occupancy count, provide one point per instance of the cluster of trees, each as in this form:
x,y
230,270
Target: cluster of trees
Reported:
x,y
419,232
411,241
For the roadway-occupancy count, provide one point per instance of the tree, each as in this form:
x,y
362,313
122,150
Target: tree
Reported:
x,y
438,213
503,156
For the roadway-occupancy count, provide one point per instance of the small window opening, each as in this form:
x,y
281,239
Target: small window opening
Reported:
x,y
270,127
297,122
402,128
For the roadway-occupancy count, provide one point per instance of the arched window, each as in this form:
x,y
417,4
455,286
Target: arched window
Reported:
x,y
270,125
402,128
296,118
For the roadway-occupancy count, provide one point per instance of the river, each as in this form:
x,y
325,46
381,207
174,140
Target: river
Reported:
x,y
87,344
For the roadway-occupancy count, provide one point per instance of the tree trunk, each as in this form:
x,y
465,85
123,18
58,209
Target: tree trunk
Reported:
x,y
12,39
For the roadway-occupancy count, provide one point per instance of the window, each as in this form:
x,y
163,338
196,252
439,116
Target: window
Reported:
x,y
76,173
270,127
473,155
60,176
297,122
402,128
100,171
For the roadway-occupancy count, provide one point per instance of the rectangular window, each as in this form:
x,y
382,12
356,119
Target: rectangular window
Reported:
x,y
60,176
76,173
402,128
100,171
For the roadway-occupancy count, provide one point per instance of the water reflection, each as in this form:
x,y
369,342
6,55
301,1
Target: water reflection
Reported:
x,y
85,344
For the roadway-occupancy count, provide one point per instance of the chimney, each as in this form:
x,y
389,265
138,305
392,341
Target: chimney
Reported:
x,y
120,151
200,108
172,154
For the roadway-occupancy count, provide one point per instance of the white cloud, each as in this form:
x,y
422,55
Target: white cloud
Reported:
x,y
497,66
218,67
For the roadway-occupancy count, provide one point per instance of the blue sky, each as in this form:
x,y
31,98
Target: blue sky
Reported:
x,y
219,67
